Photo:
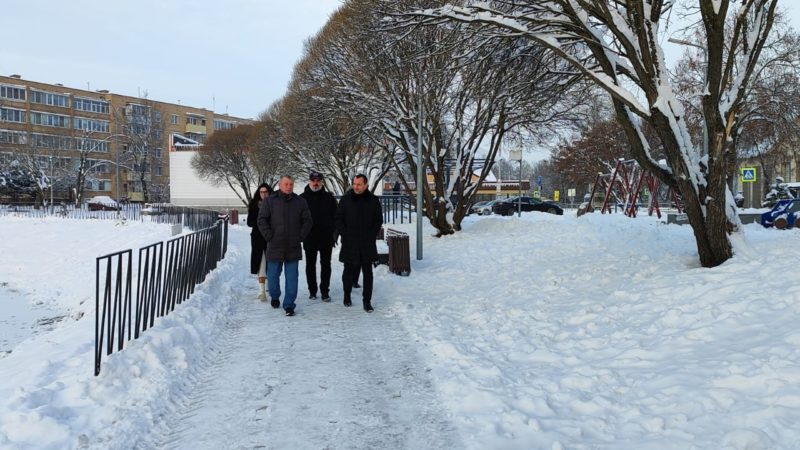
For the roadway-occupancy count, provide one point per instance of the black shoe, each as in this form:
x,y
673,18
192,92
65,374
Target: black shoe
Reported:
x,y
312,296
347,302
326,298
290,312
368,306
275,303
356,285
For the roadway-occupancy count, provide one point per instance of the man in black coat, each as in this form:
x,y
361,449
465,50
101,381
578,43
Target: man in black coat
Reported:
x,y
284,220
321,238
358,220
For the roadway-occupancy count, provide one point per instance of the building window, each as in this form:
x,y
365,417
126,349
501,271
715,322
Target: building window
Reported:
x,y
51,141
90,105
57,162
199,138
49,120
98,185
157,153
13,137
99,166
195,120
223,124
136,110
158,171
82,123
12,115
49,98
91,145
12,92
174,119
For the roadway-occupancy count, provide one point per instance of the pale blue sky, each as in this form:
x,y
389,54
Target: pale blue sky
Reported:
x,y
236,54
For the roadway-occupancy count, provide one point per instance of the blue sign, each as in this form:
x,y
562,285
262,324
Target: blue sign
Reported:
x,y
539,180
748,174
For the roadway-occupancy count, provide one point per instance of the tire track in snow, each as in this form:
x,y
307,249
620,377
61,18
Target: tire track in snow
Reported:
x,y
330,377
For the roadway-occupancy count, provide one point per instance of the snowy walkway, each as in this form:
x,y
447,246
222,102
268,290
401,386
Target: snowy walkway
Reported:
x,y
330,377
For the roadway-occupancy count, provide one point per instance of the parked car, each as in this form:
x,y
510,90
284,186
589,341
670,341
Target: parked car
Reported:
x,y
475,207
102,203
152,209
509,206
483,208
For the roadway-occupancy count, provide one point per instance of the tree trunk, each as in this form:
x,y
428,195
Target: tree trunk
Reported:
x,y
711,229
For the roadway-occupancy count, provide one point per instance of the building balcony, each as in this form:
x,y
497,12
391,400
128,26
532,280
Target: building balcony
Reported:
x,y
199,129
135,177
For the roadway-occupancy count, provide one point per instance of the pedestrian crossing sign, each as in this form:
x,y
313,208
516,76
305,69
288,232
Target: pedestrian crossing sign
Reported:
x,y
748,174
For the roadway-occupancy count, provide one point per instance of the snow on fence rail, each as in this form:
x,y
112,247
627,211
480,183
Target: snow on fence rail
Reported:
x,y
167,274
192,218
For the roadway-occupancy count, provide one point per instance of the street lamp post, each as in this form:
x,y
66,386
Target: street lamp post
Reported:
x,y
116,166
420,173
51,184
517,155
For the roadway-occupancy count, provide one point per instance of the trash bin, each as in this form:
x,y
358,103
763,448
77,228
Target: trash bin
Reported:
x,y
399,252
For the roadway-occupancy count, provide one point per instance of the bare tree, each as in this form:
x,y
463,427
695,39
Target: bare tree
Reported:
x,y
320,131
88,163
226,159
143,127
473,95
767,128
271,157
45,167
617,45
15,181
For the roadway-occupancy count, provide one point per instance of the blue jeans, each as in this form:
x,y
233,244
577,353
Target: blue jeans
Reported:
x,y
274,269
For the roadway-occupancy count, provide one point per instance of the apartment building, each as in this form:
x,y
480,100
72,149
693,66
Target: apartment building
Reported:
x,y
121,142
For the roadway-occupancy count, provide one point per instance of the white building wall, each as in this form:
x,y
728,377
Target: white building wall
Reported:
x,y
187,189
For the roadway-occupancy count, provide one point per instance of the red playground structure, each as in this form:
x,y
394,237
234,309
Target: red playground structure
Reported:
x,y
623,188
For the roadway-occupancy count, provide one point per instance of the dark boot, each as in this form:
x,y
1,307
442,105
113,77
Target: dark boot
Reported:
x,y
275,303
347,301
368,306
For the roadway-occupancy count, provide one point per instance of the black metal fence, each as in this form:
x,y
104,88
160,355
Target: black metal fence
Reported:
x,y
396,207
167,274
158,212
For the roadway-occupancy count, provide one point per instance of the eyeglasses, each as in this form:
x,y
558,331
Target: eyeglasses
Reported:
x,y
263,192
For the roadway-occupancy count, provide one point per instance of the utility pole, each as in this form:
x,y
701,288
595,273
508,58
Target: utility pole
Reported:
x,y
517,155
420,173
51,184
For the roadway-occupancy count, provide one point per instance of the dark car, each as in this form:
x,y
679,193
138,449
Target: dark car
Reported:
x,y
509,206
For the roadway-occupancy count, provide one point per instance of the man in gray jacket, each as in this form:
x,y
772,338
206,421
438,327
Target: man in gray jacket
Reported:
x,y
284,220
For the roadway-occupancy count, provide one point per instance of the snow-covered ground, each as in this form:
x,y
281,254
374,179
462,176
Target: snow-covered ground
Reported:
x,y
545,332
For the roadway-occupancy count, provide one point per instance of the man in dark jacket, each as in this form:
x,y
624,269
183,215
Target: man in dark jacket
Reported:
x,y
284,220
320,240
358,220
